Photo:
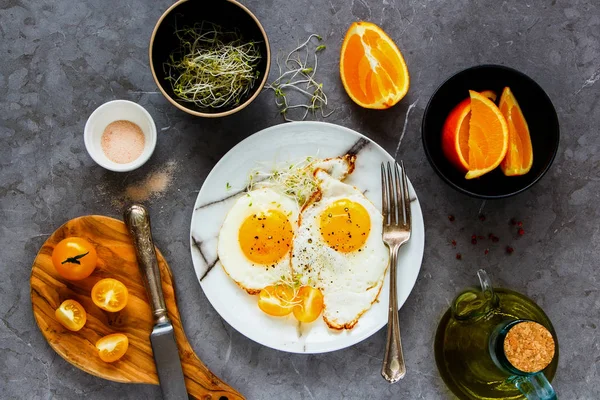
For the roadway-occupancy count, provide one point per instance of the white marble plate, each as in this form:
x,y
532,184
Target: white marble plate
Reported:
x,y
290,142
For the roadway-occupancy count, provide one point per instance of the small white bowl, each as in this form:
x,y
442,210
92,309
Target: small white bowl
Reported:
x,y
114,111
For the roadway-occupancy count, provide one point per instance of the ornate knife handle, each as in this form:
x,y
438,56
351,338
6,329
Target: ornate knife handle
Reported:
x,y
137,220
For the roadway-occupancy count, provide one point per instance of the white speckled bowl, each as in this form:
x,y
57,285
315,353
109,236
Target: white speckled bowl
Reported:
x,y
114,111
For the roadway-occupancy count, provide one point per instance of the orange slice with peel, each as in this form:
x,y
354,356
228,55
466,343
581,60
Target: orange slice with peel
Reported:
x,y
488,136
490,94
372,68
455,132
519,157
455,135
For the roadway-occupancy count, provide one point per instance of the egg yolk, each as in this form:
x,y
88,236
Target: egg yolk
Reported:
x,y
345,225
266,237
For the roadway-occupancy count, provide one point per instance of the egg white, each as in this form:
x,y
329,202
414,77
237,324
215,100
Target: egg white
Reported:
x,y
338,168
248,275
350,282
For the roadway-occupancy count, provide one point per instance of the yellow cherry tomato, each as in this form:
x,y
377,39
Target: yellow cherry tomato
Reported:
x,y
276,300
74,258
71,315
110,295
310,304
112,347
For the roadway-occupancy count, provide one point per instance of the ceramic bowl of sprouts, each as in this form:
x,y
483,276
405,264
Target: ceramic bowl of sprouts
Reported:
x,y
209,59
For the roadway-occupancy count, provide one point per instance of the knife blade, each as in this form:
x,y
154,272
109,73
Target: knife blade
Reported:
x,y
162,338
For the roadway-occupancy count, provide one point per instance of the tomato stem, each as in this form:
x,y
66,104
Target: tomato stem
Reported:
x,y
75,260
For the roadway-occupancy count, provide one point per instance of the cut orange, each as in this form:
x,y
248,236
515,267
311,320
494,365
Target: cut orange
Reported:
x,y
490,94
519,157
455,135
455,132
372,68
488,136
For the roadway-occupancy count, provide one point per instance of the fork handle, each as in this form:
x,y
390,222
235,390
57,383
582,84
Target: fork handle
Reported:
x,y
393,368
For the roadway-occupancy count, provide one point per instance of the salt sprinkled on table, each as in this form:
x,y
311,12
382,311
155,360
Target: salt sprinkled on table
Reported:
x,y
154,185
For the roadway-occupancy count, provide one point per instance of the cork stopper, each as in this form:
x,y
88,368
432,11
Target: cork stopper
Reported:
x,y
529,346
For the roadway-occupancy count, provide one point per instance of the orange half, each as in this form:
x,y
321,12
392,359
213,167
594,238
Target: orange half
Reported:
x,y
488,136
519,157
372,68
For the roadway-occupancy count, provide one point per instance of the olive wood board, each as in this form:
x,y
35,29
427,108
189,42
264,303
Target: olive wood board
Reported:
x,y
116,259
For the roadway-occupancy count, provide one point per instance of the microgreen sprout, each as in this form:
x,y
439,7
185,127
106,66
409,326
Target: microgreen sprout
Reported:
x,y
295,179
298,77
212,68
294,282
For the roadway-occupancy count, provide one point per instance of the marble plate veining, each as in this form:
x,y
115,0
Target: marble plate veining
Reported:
x,y
290,142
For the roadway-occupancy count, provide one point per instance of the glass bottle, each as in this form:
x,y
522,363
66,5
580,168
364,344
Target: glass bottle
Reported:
x,y
469,345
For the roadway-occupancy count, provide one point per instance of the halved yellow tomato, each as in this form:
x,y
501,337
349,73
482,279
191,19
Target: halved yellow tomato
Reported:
x,y
110,295
71,315
276,300
310,304
112,347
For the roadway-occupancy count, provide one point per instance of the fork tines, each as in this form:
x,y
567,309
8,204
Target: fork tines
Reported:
x,y
395,191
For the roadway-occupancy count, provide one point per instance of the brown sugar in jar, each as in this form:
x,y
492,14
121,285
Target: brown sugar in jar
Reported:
x,y
123,141
529,346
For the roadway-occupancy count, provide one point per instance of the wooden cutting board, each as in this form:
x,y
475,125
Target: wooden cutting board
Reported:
x,y
116,259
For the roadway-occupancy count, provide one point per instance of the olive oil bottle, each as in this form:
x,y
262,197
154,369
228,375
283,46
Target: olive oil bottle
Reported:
x,y
469,344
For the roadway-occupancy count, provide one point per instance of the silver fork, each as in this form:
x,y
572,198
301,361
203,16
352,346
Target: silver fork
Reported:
x,y
395,207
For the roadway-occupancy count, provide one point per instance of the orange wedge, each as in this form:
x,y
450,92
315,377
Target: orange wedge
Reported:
x,y
372,68
519,157
490,94
488,136
455,132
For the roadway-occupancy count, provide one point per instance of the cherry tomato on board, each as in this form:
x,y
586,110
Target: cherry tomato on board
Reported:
x,y
110,295
74,258
310,304
112,347
71,315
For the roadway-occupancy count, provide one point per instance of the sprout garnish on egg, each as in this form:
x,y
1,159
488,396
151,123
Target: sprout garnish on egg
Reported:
x,y
295,180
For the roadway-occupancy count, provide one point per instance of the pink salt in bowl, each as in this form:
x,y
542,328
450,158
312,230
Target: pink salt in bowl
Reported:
x,y
120,135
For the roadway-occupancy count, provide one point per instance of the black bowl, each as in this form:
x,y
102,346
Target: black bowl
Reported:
x,y
230,15
537,109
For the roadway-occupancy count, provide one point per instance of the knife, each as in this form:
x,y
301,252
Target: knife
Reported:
x,y
162,338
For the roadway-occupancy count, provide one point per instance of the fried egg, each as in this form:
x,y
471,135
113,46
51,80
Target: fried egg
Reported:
x,y
338,249
255,240
338,168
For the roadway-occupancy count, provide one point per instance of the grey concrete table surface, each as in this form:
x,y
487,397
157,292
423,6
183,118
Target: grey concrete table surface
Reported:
x,y
61,59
